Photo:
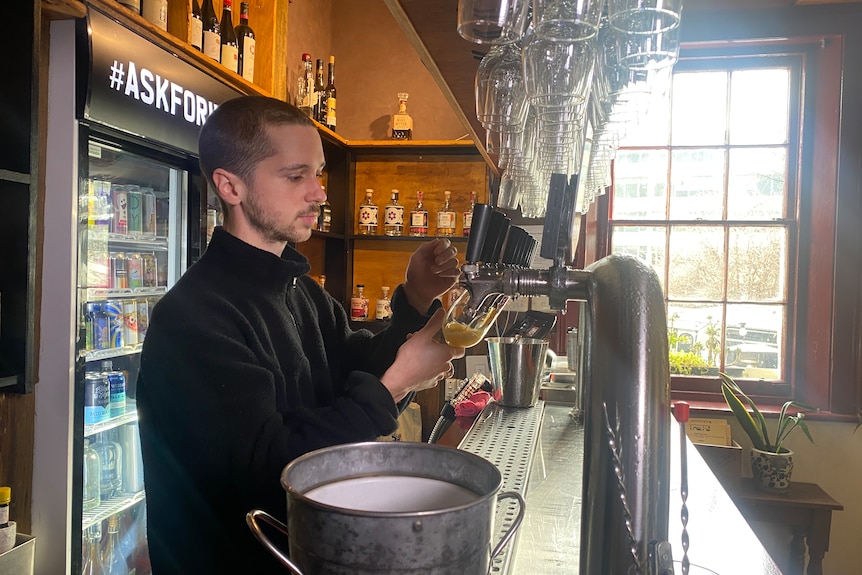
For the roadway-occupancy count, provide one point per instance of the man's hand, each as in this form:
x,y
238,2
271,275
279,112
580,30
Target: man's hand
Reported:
x,y
420,362
432,270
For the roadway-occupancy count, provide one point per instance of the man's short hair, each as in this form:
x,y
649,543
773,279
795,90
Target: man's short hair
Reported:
x,y
234,136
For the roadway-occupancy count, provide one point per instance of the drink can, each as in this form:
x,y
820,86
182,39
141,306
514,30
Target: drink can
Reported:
x,y
130,322
96,326
150,277
119,199
135,270
116,393
143,318
119,271
97,396
136,214
133,467
113,308
162,216
148,211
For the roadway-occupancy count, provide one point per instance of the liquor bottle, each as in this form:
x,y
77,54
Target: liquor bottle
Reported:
x,y
319,93
196,27
305,86
92,478
93,564
468,215
446,217
229,45
359,304
109,453
156,11
384,305
112,556
211,31
324,218
393,214
419,218
245,45
321,279
402,123
5,500
368,215
329,120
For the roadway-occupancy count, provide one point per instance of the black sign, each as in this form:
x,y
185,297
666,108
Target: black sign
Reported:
x,y
139,88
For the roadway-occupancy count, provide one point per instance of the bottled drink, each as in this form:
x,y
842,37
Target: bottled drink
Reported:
x,y
419,218
324,218
368,215
229,45
305,86
359,304
245,45
116,386
402,123
110,456
468,215
112,556
211,31
156,11
384,309
93,564
133,5
329,93
196,27
5,500
393,223
446,217
92,478
321,279
319,93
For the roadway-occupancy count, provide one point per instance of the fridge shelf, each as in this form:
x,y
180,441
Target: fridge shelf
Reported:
x,y
106,293
94,428
97,354
150,242
110,507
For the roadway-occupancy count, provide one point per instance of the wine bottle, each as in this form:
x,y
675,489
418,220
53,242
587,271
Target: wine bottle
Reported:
x,y
319,102
196,27
211,31
329,120
229,47
156,11
246,44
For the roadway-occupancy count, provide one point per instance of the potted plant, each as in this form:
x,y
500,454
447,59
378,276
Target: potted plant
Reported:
x,y
771,462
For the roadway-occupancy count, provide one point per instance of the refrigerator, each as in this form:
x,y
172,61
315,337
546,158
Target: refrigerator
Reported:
x,y
125,214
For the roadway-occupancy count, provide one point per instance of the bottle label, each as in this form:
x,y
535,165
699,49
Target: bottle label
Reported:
x,y
446,220
229,57
248,59
330,112
197,33
395,215
367,215
468,222
383,309
212,45
402,122
358,308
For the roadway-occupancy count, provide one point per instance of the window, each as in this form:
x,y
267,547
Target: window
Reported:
x,y
707,192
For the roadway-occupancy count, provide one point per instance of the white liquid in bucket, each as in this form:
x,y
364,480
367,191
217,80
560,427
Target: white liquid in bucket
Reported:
x,y
392,494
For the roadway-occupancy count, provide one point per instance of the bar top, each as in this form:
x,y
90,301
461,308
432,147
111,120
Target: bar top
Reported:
x,y
539,451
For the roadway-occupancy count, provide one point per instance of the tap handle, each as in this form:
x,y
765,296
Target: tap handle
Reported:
x,y
478,232
557,230
517,242
497,231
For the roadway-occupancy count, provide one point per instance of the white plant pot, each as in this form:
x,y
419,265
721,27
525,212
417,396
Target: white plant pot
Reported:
x,y
771,471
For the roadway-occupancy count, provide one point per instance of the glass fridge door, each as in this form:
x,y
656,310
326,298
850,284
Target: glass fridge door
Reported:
x,y
132,248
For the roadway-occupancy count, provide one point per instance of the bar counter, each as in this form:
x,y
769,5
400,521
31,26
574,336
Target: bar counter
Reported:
x,y
539,451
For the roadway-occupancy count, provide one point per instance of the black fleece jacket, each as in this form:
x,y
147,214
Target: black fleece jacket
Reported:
x,y
248,364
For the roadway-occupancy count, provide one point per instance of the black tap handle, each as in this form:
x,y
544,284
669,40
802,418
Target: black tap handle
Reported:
x,y
478,232
516,242
497,230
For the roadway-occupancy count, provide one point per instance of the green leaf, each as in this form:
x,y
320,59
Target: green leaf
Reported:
x,y
745,420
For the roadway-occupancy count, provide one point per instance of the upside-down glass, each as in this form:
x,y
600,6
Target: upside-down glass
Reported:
x,y
644,16
492,21
506,104
566,19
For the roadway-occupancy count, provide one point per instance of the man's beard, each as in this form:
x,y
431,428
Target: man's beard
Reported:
x,y
268,225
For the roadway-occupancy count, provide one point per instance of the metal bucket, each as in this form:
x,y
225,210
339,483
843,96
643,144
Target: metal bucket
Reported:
x,y
387,508
516,366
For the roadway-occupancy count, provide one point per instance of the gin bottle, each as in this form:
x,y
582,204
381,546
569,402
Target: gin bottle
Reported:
x,y
393,212
368,215
324,217
402,123
359,304
384,309
446,217
468,215
419,218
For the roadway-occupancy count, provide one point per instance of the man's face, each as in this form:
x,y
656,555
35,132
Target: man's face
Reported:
x,y
284,196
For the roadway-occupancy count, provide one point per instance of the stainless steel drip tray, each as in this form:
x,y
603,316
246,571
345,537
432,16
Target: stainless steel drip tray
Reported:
x,y
539,452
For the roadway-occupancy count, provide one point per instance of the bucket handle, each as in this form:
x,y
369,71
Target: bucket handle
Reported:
x,y
252,518
515,524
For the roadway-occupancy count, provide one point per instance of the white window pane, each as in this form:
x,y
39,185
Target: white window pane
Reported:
x,y
699,110
759,106
757,264
697,184
696,263
647,243
757,184
754,342
640,184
